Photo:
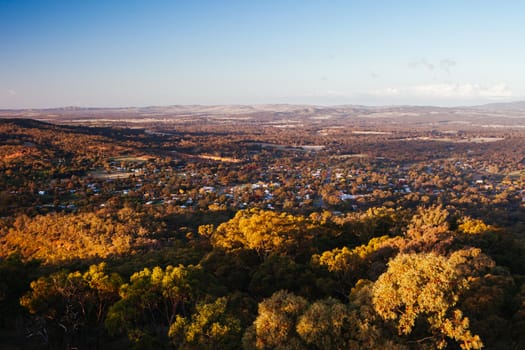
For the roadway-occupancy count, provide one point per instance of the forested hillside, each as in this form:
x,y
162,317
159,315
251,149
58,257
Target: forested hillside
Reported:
x,y
228,236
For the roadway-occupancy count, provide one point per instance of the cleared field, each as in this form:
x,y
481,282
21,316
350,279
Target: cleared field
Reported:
x,y
132,159
102,174
220,159
357,155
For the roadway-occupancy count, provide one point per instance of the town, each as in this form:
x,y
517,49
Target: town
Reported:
x,y
192,167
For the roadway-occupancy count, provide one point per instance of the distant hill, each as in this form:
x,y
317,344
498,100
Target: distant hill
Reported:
x,y
494,115
246,108
517,105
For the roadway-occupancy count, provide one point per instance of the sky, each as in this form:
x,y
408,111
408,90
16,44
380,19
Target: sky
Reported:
x,y
114,53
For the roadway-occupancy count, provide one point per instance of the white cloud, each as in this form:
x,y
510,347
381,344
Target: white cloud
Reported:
x,y
440,94
421,63
447,90
446,64
389,91
328,93
497,91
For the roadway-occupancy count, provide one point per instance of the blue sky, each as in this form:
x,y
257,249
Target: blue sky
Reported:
x,y
139,53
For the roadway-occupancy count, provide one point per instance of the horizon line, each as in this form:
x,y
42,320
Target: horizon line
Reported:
x,y
76,107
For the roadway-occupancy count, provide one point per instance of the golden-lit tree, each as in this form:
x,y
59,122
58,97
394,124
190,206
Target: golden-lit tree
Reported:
x,y
151,301
266,232
349,265
210,327
424,288
73,301
427,221
275,325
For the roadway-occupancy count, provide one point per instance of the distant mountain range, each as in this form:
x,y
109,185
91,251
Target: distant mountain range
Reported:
x,y
244,109
494,115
